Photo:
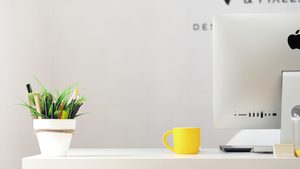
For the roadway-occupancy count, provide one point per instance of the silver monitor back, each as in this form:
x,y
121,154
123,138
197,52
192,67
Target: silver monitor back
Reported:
x,y
249,53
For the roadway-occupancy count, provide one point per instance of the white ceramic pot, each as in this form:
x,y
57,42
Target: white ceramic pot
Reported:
x,y
54,135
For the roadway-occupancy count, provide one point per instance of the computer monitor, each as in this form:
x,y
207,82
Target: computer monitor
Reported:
x,y
249,53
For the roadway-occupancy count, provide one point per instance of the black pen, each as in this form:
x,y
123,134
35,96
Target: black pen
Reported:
x,y
29,89
75,111
45,107
30,98
71,109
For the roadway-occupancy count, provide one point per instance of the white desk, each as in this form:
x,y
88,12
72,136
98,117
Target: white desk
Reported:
x,y
157,159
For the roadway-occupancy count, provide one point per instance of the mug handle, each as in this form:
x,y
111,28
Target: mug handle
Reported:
x,y
164,139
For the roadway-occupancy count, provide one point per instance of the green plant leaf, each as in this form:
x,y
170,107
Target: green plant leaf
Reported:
x,y
52,101
35,113
56,114
81,114
43,88
65,93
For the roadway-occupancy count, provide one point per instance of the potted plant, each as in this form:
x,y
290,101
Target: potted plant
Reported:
x,y
54,116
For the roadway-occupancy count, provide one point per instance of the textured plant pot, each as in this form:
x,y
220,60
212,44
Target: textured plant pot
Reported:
x,y
54,135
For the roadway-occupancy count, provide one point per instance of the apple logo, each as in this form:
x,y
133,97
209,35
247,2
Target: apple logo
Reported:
x,y
294,40
227,2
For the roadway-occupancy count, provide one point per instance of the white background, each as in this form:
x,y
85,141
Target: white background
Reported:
x,y
141,65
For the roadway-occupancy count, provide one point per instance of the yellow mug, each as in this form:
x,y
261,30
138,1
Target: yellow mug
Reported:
x,y
186,140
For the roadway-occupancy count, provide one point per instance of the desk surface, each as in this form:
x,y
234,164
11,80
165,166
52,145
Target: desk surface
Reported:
x,y
151,154
157,158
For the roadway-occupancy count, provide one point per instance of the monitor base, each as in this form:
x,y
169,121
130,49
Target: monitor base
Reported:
x,y
232,148
246,149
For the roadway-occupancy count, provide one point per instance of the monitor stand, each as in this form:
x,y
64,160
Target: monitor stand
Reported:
x,y
290,104
253,140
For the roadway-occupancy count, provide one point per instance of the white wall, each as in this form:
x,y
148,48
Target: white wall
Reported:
x,y
139,62
132,60
23,55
